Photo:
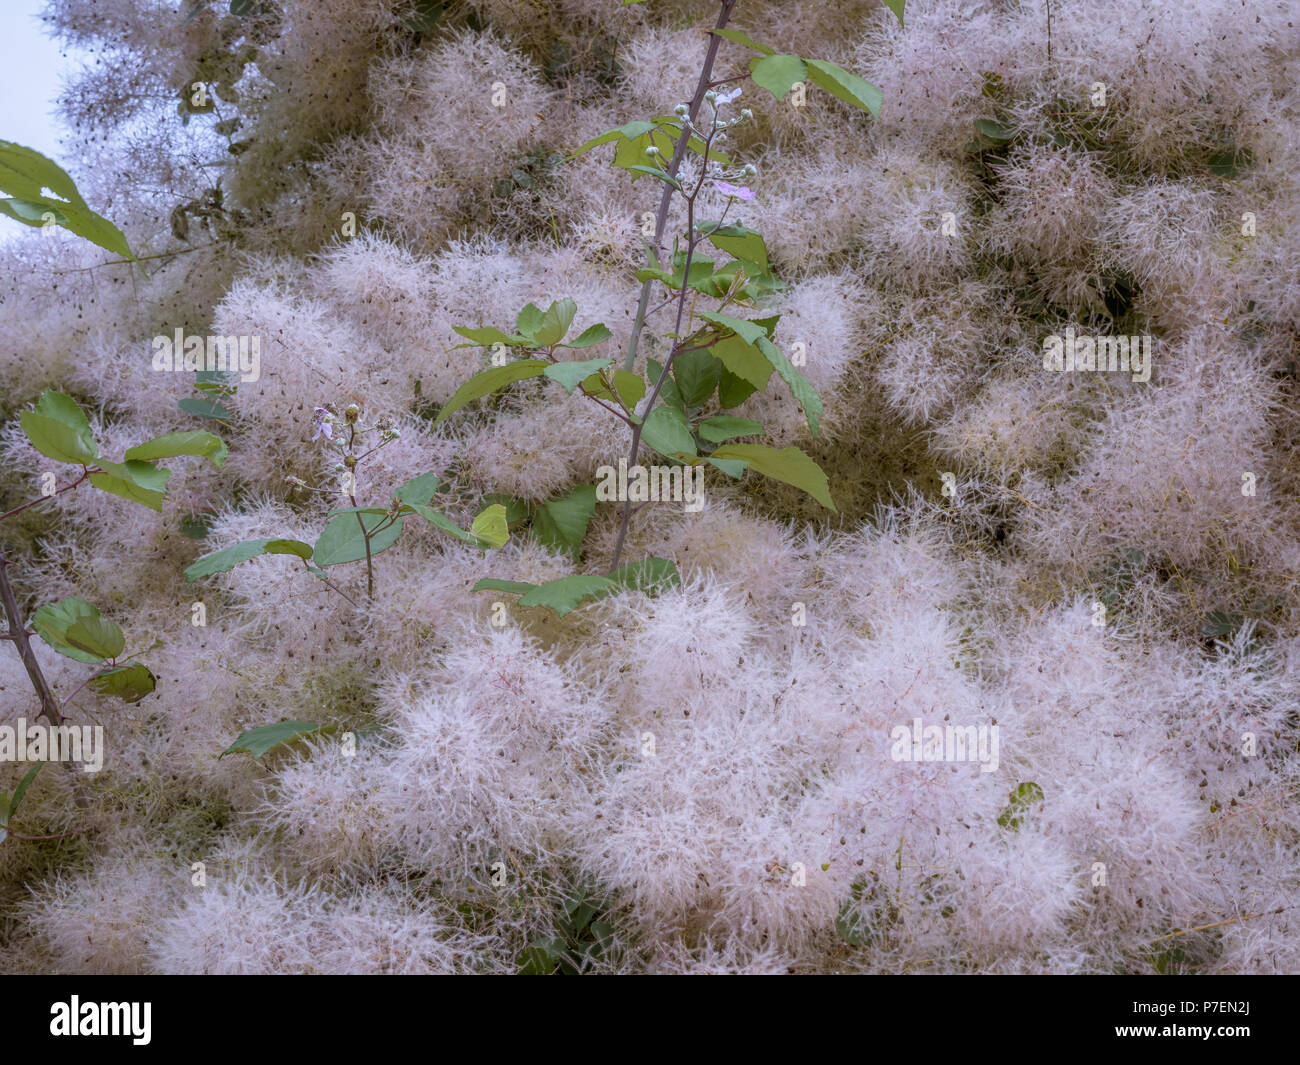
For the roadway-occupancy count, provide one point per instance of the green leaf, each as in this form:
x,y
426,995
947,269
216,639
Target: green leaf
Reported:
x,y
529,320
696,374
195,442
595,334
419,489
648,575
284,546
489,335
204,408
516,509
788,464
986,127
778,74
26,174
746,330
96,636
561,524
495,584
896,6
668,393
734,389
59,430
343,541
1025,796
723,427
1230,161
141,482
630,387
568,593
572,374
596,141
800,387
733,468
258,741
128,683
489,526
229,557
21,790
53,620
33,214
666,430
490,380
555,322
845,86
654,171
196,527
742,38
739,241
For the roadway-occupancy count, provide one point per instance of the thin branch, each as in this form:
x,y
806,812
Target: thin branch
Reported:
x,y
18,630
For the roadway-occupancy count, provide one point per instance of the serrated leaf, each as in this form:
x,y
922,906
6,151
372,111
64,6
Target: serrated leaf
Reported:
x,y
52,621
343,541
140,482
195,442
845,86
630,388
749,331
667,432
572,374
595,334
489,526
788,464
722,427
733,468
129,683
258,741
490,380
529,320
655,172
59,429
778,74
800,387
561,524
96,636
419,489
742,38
739,241
696,374
555,322
745,363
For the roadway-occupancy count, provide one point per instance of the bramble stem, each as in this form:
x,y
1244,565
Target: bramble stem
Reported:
x,y
18,632
661,218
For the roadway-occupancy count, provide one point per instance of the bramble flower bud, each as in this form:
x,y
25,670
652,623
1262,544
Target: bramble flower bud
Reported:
x,y
746,114
652,151
350,461
711,96
682,110
749,170
352,413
